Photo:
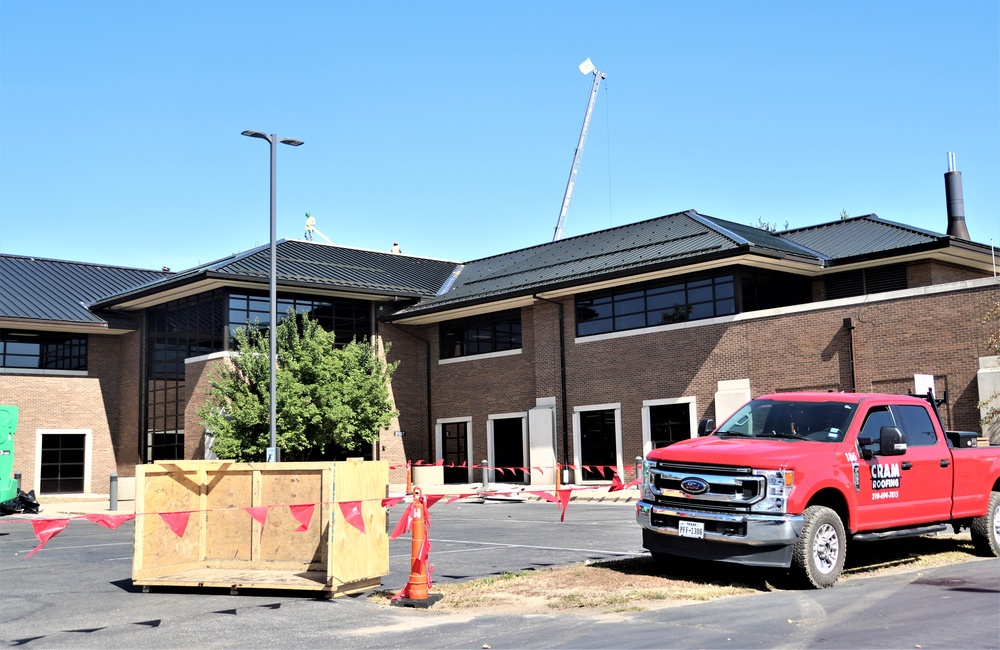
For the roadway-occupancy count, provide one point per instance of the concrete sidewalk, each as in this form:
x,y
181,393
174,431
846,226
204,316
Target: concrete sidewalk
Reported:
x,y
72,505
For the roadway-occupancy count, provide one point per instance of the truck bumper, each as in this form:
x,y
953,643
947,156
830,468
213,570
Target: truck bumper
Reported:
x,y
752,539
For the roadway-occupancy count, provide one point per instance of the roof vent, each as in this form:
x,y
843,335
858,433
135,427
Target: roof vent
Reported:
x,y
956,202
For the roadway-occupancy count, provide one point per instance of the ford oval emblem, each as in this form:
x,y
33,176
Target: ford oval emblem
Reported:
x,y
693,485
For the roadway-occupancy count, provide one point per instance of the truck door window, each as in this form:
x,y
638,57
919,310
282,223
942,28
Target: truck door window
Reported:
x,y
877,418
916,425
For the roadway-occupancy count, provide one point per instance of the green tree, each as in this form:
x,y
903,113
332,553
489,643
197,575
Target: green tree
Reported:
x,y
329,399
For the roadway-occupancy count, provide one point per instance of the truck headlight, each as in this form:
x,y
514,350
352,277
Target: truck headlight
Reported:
x,y
647,480
778,486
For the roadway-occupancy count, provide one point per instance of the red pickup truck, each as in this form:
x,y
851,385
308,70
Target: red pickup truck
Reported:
x,y
790,478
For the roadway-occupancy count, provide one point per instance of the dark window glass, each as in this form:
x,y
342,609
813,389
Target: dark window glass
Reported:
x,y
62,463
916,424
656,303
481,334
43,350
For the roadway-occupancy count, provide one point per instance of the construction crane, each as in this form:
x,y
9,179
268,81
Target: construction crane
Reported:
x,y
587,67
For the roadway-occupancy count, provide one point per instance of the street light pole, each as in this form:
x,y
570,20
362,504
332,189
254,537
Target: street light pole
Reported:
x,y
273,140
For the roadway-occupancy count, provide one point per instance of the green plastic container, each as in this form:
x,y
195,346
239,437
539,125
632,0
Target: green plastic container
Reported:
x,y
8,425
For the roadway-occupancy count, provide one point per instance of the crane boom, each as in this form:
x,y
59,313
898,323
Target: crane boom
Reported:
x,y
578,155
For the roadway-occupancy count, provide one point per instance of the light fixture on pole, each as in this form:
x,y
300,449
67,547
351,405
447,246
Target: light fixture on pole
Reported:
x,y
273,140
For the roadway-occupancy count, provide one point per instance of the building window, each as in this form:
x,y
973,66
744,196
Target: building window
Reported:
x,y
348,319
865,281
176,331
63,463
481,334
676,300
43,350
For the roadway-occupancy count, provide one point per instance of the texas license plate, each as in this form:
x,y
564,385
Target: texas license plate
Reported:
x,y
691,529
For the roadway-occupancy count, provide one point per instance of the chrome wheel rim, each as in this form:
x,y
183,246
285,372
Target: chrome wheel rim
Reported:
x,y
826,548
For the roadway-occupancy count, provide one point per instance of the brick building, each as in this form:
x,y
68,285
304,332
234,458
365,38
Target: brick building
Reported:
x,y
584,352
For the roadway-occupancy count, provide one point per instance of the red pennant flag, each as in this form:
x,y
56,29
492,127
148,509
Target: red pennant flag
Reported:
x,y
457,497
403,525
352,513
440,461
177,521
391,501
431,499
259,513
539,470
564,501
543,495
616,483
572,467
303,513
634,482
46,529
109,521
419,462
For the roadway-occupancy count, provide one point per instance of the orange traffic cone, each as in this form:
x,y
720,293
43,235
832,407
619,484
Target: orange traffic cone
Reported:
x,y
414,594
416,588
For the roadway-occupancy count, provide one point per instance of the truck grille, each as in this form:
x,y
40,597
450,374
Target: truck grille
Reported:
x,y
729,489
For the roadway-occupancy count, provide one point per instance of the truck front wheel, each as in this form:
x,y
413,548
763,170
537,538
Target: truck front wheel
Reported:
x,y
986,529
819,553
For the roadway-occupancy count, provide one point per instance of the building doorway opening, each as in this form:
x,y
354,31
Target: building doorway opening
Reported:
x,y
508,450
454,451
598,444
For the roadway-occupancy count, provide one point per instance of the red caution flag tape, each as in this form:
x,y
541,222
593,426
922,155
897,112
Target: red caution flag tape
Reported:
x,y
177,521
352,513
564,496
303,514
109,521
403,525
46,529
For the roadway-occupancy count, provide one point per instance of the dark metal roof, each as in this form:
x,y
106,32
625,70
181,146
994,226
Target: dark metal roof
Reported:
x,y
670,240
859,236
55,290
315,265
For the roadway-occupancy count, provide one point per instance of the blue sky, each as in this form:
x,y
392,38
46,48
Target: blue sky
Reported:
x,y
451,126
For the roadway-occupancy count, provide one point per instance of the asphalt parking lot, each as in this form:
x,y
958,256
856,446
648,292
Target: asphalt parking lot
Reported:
x,y
77,592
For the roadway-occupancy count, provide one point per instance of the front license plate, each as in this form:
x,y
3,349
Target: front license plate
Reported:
x,y
691,529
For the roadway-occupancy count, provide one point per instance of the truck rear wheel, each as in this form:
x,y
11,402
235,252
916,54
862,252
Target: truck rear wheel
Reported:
x,y
986,529
820,551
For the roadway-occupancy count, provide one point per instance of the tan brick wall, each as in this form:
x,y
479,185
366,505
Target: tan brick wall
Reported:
x,y
59,402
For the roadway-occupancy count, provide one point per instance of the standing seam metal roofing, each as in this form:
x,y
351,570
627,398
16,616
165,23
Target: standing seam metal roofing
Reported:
x,y
56,290
862,235
321,265
634,246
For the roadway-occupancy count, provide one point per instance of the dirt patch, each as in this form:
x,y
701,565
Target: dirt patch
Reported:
x,y
640,584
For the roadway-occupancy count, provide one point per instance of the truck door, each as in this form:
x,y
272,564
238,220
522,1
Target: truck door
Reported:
x,y
926,466
881,502
904,490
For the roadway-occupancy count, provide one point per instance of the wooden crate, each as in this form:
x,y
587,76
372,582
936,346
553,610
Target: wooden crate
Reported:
x,y
223,546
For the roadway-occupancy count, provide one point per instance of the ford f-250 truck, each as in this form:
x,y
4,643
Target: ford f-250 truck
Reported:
x,y
790,478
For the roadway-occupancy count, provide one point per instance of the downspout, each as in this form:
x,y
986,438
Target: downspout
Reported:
x,y
850,326
562,375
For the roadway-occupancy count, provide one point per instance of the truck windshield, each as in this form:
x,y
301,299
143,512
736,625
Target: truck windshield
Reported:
x,y
764,418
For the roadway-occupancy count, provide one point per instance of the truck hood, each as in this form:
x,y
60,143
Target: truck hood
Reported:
x,y
762,453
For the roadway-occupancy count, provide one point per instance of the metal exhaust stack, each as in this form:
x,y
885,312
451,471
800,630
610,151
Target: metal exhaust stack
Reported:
x,y
956,202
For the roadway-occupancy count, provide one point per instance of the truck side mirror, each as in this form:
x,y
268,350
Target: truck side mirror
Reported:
x,y
706,427
891,442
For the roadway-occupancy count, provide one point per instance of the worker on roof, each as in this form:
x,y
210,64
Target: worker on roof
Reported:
x,y
395,247
310,226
